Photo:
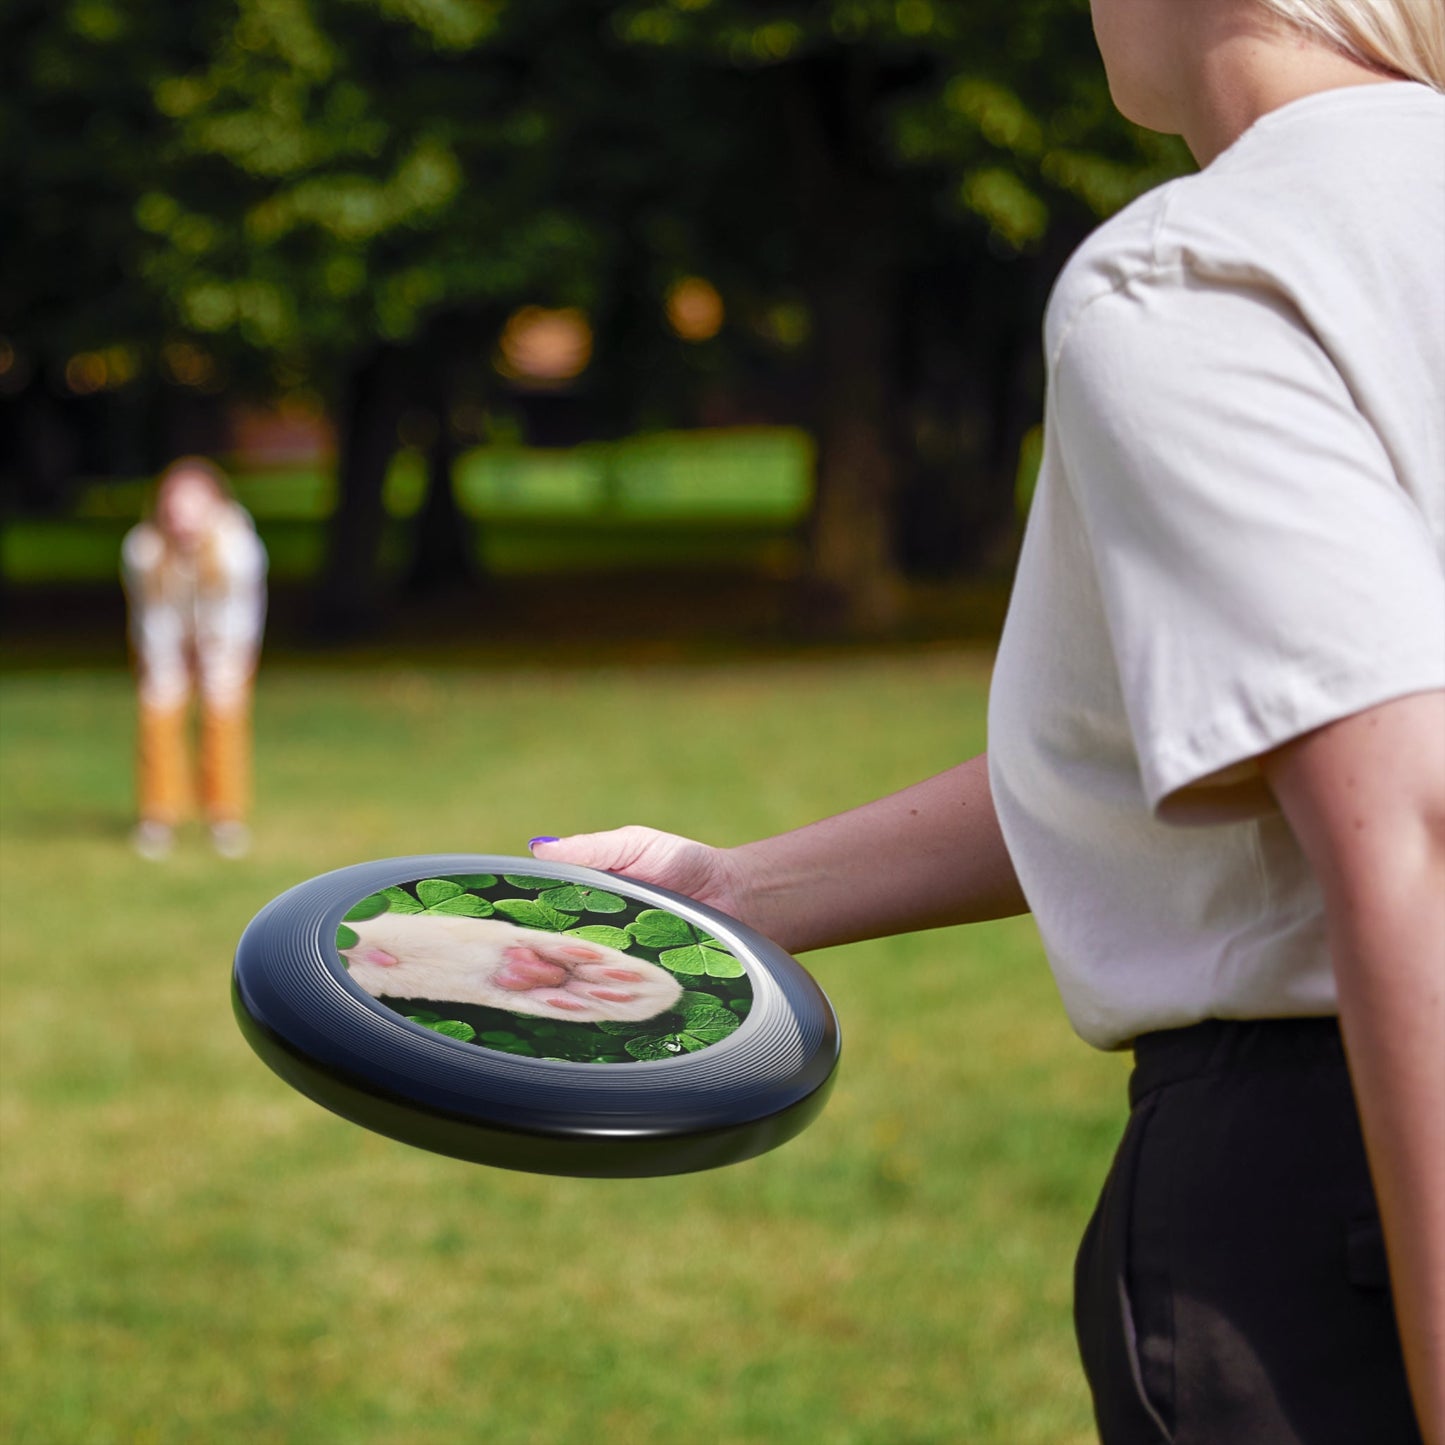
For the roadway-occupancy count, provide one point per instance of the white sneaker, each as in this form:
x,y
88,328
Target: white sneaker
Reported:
x,y
152,840
231,840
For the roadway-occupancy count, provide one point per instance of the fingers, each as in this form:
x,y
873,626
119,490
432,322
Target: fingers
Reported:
x,y
611,851
681,864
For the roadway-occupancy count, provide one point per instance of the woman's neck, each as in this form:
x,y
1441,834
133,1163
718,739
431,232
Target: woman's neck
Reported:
x,y
1240,70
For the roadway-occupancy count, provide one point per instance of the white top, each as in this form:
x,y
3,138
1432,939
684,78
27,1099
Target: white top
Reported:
x,y
186,628
1238,536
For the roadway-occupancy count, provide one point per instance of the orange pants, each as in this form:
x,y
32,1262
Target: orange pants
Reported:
x,y
163,762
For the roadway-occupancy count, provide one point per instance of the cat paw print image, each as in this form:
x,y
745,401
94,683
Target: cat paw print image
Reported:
x,y
457,959
544,968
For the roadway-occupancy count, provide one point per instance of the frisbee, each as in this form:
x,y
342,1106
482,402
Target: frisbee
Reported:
x,y
535,1016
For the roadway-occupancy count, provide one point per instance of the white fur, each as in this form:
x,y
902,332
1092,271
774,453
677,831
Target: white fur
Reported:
x,y
453,959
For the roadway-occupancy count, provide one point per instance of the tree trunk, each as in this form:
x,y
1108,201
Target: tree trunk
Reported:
x,y
349,602
442,559
850,270
852,559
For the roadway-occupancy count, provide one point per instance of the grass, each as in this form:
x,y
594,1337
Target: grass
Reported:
x,y
192,1252
671,499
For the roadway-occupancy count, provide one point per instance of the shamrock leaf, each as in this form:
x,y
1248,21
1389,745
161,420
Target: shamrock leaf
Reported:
x,y
653,928
520,880
400,901
369,907
658,1046
473,880
699,958
432,891
454,1029
602,933
572,898
709,1023
532,914
347,937
464,905
704,1021
615,1026
521,1048
424,1016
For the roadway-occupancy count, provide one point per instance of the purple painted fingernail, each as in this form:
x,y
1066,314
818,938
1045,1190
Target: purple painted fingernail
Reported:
x,y
532,842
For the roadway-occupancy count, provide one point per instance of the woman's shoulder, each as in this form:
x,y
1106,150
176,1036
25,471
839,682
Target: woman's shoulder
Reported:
x,y
238,547
142,549
1316,195
1121,250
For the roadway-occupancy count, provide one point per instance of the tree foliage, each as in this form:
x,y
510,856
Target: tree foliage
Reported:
x,y
351,195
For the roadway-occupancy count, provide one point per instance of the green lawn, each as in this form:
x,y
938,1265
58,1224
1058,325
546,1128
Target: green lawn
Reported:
x,y
672,499
193,1253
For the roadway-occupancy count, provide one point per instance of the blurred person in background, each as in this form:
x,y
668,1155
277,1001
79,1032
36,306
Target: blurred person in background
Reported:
x,y
195,582
1216,766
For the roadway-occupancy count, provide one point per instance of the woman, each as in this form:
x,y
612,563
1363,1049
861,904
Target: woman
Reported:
x,y
1217,759
195,580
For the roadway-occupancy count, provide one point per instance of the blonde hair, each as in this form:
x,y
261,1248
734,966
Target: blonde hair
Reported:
x,y
1404,37
166,578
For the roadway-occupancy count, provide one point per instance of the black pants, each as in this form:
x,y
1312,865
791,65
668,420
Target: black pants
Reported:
x,y
1231,1287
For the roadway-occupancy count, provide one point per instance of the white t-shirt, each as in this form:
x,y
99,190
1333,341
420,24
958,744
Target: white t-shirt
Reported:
x,y
1238,536
185,627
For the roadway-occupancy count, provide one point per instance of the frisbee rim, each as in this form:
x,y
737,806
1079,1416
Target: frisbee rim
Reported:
x,y
362,1059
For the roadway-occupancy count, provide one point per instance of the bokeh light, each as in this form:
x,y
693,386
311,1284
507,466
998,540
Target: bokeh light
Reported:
x,y
695,310
544,347
186,364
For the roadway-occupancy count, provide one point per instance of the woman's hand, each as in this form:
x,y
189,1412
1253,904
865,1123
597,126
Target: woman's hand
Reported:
x,y
927,857
709,875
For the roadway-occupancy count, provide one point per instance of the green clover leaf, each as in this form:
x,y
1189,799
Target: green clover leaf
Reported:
x,y
615,1026
654,928
572,898
464,905
602,933
704,1021
400,901
432,891
657,1046
369,907
347,937
473,880
454,1029
699,958
532,914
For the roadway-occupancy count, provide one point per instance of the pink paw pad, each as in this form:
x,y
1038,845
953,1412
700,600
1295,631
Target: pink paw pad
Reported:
x,y
525,968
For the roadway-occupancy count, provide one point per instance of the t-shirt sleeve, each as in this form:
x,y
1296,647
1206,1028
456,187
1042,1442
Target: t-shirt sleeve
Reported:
x,y
1262,569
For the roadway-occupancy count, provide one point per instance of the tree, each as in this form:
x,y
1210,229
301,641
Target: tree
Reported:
x,y
917,142
351,196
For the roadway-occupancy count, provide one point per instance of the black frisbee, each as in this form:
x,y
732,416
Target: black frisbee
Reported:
x,y
535,1016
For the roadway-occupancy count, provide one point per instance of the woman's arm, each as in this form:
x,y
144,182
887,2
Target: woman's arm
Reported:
x,y
929,856
1366,799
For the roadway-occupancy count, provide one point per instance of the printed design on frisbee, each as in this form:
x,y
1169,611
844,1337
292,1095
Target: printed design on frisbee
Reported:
x,y
544,968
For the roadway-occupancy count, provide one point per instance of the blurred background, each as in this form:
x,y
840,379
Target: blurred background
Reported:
x,y
635,400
